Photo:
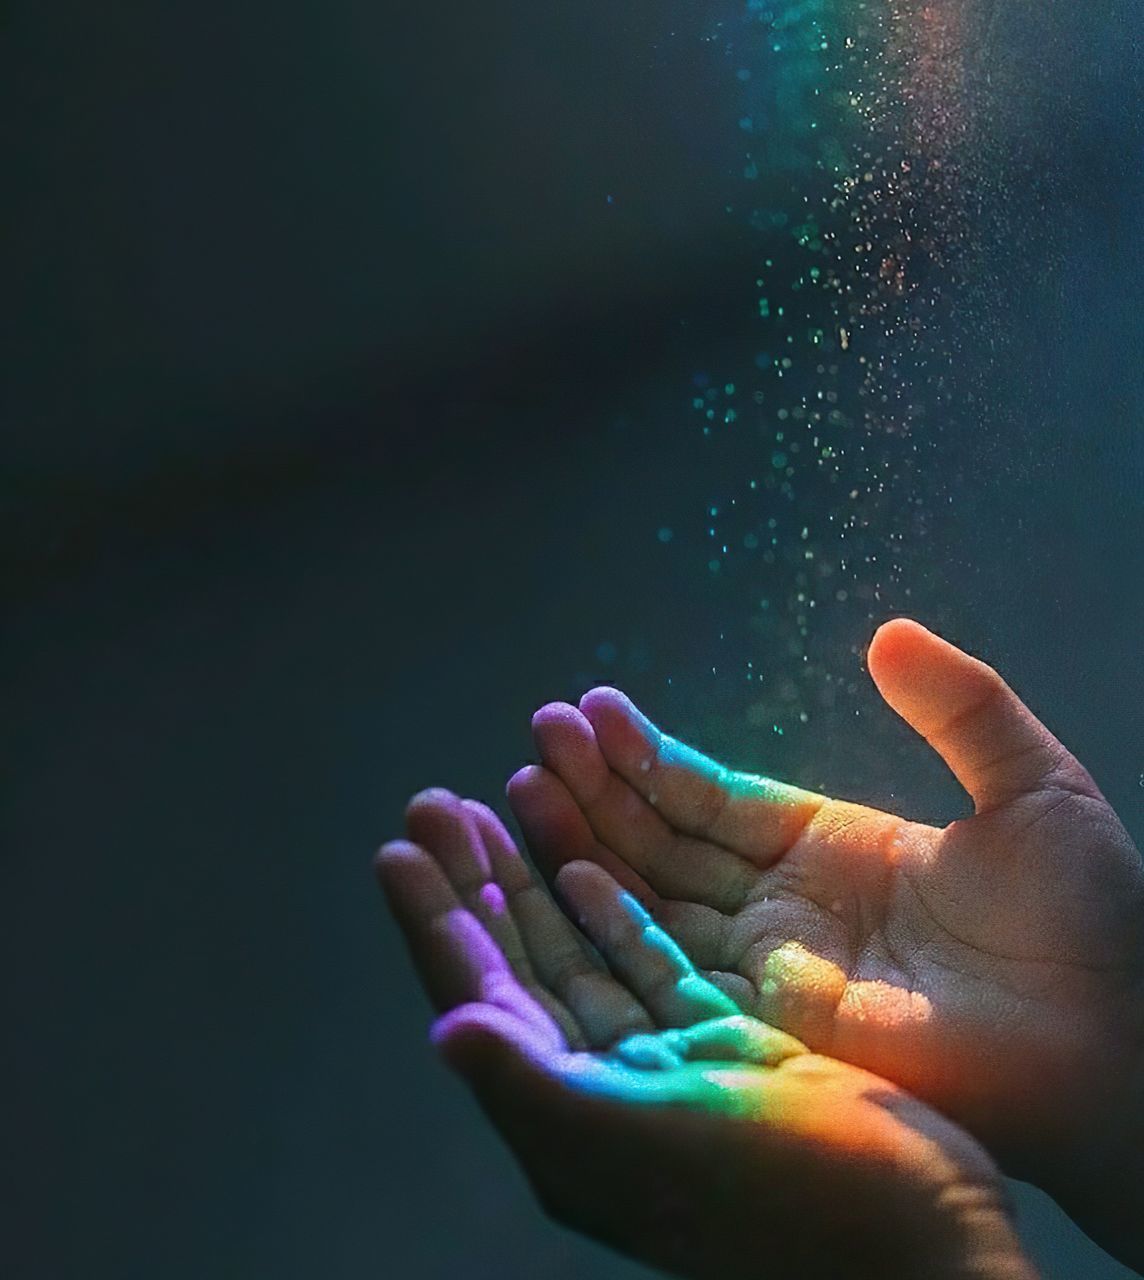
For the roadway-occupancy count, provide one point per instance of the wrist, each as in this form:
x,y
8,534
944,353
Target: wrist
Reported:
x,y
966,1231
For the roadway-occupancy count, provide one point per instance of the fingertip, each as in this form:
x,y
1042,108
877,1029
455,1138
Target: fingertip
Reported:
x,y
579,867
499,845
623,734
581,874
564,737
912,665
394,854
540,784
437,820
605,707
590,892
525,782
539,799
480,811
923,677
557,830
412,879
554,713
602,696
895,641
571,883
519,779
431,799
409,876
389,865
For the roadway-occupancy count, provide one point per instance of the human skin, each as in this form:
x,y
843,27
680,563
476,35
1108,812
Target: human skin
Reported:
x,y
722,1148
993,967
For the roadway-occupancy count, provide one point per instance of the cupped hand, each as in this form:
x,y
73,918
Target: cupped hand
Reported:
x,y
646,1111
993,967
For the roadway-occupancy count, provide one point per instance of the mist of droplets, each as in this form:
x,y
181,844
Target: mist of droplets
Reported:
x,y
854,123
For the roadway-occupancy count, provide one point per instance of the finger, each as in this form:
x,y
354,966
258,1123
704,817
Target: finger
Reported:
x,y
557,831
755,817
530,1092
474,1036
676,865
512,1071
737,1039
641,954
455,957
995,746
739,990
706,935
444,825
734,1039
418,894
438,821
604,1010
447,826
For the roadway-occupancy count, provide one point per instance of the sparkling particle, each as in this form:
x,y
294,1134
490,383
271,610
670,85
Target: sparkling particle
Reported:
x,y
847,134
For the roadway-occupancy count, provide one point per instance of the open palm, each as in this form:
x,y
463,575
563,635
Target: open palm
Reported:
x,y
721,1148
994,967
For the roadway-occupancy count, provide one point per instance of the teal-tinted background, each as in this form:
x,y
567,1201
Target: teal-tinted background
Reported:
x,y
341,411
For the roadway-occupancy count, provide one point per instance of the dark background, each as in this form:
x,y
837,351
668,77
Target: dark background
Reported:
x,y
341,410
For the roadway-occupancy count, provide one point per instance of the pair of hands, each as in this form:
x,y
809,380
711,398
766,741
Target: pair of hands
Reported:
x,y
720,1097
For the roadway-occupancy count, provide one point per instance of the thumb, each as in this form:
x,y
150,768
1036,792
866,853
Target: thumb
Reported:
x,y
996,747
485,1043
510,1068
